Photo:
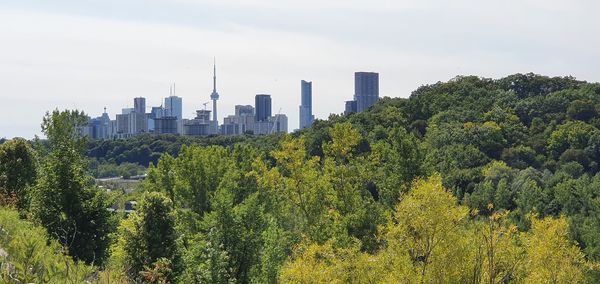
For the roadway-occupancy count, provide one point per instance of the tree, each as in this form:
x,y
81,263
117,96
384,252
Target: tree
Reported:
x,y
573,134
296,191
582,110
147,240
192,178
500,256
18,171
64,201
359,212
394,163
551,257
327,264
428,221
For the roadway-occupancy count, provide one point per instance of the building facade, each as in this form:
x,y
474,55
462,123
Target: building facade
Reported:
x,y
274,124
241,123
262,104
201,125
306,116
165,125
139,105
366,90
350,107
173,106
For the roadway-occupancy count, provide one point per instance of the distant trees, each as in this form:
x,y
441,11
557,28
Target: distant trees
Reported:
x,y
582,110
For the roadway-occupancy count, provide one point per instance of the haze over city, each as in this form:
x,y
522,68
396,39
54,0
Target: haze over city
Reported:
x,y
94,54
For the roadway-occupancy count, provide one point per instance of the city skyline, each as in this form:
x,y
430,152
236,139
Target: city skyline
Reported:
x,y
81,54
366,93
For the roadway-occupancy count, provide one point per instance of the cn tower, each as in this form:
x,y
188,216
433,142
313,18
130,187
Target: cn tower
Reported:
x,y
215,96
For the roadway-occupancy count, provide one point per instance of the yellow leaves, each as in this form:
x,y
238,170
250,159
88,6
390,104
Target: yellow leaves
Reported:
x,y
429,226
433,240
551,257
429,207
328,264
343,139
492,125
292,153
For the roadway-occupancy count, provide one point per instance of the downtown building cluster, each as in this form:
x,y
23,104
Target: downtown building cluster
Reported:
x,y
247,119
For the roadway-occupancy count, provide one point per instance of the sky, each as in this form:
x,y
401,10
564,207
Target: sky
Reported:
x,y
91,54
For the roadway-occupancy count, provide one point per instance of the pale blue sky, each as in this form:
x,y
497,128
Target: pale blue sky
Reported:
x,y
89,54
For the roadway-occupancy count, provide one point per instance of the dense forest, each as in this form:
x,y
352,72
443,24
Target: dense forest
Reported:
x,y
473,180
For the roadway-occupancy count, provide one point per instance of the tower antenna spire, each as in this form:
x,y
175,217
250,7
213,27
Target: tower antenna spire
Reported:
x,y
215,96
214,74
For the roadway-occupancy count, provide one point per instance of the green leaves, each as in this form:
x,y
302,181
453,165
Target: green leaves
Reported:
x,y
147,242
18,171
63,200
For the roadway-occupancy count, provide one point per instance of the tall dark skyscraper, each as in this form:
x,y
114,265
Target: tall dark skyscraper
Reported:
x,y
366,90
139,105
306,116
262,104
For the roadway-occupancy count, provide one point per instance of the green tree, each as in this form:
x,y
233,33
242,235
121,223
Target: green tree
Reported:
x,y
573,134
18,171
582,110
192,178
64,202
394,163
147,240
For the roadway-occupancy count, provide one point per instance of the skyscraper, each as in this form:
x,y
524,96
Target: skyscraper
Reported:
x,y
262,104
242,122
215,96
139,105
244,110
306,116
350,107
173,107
366,90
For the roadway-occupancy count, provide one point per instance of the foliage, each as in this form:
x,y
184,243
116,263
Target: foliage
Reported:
x,y
433,240
106,170
63,201
27,257
147,244
18,171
